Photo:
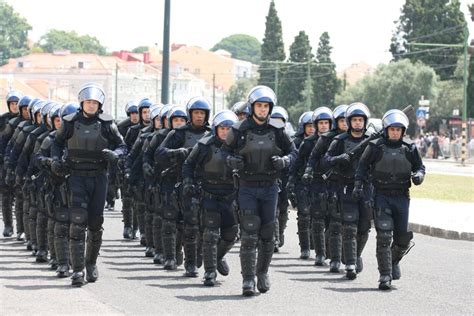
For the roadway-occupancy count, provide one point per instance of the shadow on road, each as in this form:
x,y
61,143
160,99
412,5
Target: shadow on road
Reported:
x,y
39,287
305,272
123,250
178,286
152,268
210,298
340,280
290,265
152,277
353,289
126,257
133,263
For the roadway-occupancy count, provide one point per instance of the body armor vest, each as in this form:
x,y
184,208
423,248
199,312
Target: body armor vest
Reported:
x,y
215,170
190,138
257,152
348,173
393,170
86,144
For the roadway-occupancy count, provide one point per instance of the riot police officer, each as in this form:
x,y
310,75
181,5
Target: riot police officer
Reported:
x,y
174,149
9,193
311,211
241,109
279,113
12,99
343,154
391,160
206,168
171,230
317,164
259,149
88,135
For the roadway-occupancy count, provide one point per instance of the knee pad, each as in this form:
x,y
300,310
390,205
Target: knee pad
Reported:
x,y
383,219
267,232
78,215
210,235
168,227
249,241
229,234
95,223
250,222
33,213
211,219
95,235
170,213
61,214
191,215
77,232
350,215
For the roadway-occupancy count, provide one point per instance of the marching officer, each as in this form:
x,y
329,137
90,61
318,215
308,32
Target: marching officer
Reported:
x,y
87,135
391,161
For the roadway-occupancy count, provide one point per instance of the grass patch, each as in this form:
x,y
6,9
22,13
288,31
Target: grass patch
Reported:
x,y
445,187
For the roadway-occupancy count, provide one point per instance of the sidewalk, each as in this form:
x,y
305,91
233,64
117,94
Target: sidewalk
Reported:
x,y
451,220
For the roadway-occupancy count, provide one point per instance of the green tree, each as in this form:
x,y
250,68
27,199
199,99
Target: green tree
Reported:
x,y
241,46
272,49
395,85
430,21
295,71
325,81
58,39
140,49
470,88
13,33
238,92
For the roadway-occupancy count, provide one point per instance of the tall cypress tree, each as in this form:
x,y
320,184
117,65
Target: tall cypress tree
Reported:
x,y
272,48
470,88
325,81
430,21
295,71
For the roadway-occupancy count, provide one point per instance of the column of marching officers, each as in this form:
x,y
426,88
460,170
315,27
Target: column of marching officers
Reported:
x,y
193,185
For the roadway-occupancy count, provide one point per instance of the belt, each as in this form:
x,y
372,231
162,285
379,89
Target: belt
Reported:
x,y
87,173
256,184
392,192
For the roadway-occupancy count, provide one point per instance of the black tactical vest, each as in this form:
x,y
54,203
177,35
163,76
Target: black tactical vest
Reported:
x,y
257,153
393,170
348,173
86,145
215,171
190,138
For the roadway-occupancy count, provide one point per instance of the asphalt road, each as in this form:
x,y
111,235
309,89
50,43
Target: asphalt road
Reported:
x,y
437,278
449,167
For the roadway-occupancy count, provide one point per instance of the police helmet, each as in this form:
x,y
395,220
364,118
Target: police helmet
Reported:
x,y
322,113
357,109
92,91
262,94
131,107
199,103
69,108
395,118
54,112
225,118
176,111
305,118
279,112
241,107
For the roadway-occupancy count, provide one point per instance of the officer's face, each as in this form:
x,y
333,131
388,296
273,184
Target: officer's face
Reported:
x,y
242,116
261,110
394,133
309,129
146,115
24,113
90,107
38,118
57,123
157,122
167,123
14,107
341,124
323,126
198,117
178,122
222,132
134,118
357,123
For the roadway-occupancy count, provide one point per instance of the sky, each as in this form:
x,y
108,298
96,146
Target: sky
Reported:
x,y
359,30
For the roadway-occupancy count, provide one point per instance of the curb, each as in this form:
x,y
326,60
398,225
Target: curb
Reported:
x,y
440,232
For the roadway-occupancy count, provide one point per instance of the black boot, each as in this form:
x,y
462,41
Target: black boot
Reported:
x,y
94,241
402,244
61,244
210,278
334,266
223,247
7,214
127,232
282,220
304,235
190,251
248,258
169,244
157,241
42,256
385,282
209,248
319,239
78,279
263,263
62,271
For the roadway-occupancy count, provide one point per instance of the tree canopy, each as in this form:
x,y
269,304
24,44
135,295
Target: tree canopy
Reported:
x,y
241,46
13,33
59,39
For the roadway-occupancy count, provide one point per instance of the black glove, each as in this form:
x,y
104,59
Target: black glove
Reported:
x,y
10,177
179,154
343,159
358,190
236,162
418,178
280,163
308,176
110,155
189,189
44,162
148,170
57,168
290,186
